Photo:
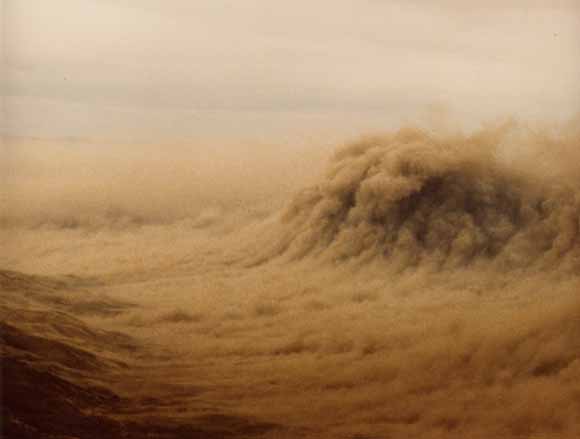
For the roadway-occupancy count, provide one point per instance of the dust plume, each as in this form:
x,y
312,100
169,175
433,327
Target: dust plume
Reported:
x,y
424,285
415,198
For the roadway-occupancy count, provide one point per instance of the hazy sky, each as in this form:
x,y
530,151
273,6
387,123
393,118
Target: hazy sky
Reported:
x,y
184,69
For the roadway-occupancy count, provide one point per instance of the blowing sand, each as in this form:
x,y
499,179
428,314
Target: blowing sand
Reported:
x,y
423,284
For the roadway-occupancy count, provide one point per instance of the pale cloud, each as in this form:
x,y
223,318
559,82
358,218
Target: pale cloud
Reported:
x,y
376,59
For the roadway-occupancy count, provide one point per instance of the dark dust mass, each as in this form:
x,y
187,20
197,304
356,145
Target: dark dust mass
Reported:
x,y
425,286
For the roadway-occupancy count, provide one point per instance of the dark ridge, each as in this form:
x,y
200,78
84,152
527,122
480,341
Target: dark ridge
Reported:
x,y
49,351
41,405
62,378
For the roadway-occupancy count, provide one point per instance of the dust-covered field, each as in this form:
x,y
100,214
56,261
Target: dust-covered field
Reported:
x,y
415,284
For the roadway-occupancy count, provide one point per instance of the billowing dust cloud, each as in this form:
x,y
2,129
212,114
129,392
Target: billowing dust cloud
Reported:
x,y
425,285
418,200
